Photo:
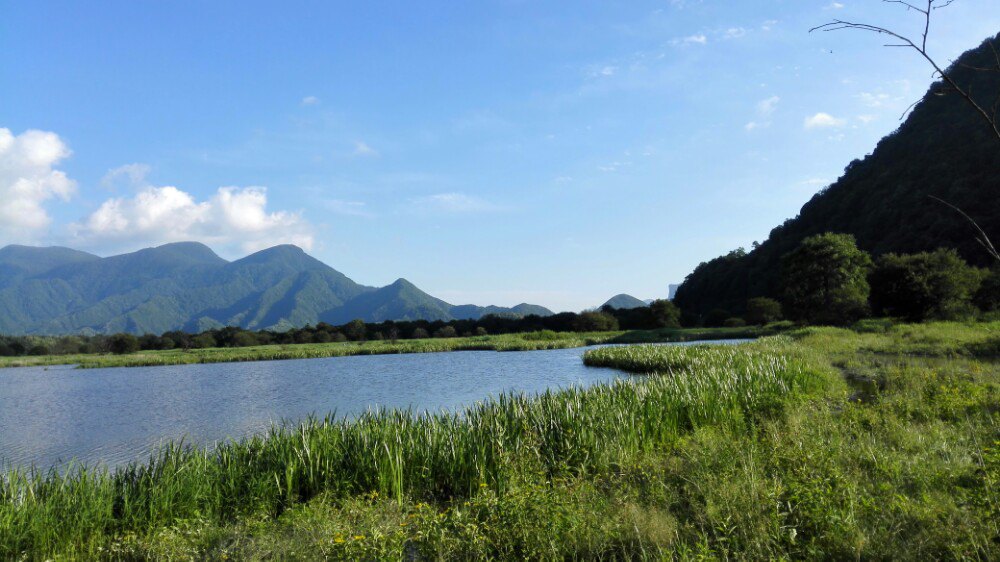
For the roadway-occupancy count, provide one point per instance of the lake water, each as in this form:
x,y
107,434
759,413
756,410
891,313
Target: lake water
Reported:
x,y
49,416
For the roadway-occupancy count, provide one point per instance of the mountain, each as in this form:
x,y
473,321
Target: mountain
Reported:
x,y
186,286
624,301
19,262
943,149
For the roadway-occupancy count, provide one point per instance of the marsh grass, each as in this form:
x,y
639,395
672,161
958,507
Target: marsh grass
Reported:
x,y
749,451
400,455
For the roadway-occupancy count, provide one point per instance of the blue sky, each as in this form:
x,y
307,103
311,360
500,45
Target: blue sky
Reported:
x,y
491,152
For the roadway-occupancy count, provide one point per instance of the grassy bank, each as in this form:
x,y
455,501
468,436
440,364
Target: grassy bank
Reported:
x,y
749,451
507,342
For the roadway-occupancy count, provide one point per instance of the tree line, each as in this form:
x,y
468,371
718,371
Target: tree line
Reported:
x,y
660,314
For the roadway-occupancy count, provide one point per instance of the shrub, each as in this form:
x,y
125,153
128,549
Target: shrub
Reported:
x,y
665,314
595,322
922,286
121,344
717,318
420,334
734,322
445,332
988,296
762,310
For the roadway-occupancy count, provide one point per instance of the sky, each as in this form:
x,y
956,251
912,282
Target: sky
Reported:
x,y
491,152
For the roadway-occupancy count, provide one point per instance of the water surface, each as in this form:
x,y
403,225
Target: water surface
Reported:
x,y
51,415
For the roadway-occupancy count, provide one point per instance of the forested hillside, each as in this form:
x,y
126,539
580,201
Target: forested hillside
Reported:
x,y
943,149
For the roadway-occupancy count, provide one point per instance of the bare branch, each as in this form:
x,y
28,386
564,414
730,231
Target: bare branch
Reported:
x,y
921,48
983,239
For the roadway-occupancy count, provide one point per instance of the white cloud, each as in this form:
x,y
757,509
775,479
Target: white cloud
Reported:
x,y
696,39
129,175
234,220
823,120
361,148
866,119
734,33
834,6
28,179
767,107
453,202
768,25
309,100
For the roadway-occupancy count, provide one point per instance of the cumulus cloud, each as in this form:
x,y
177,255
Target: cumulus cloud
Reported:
x,y
28,179
234,219
823,120
309,100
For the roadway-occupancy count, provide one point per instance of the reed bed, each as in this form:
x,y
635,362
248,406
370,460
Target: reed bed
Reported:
x,y
402,454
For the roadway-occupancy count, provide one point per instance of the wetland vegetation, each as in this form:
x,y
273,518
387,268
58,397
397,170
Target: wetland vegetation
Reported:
x,y
747,451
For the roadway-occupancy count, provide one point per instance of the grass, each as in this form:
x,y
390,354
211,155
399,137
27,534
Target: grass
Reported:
x,y
508,342
747,451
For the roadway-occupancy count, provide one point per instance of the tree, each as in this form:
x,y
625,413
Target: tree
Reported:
x,y
716,317
595,322
825,280
355,329
420,334
203,341
988,296
665,314
445,332
922,286
121,344
949,83
762,310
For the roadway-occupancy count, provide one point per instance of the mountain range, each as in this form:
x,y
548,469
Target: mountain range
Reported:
x,y
943,150
186,286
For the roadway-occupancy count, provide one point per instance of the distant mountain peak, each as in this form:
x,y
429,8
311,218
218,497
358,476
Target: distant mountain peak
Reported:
x,y
624,301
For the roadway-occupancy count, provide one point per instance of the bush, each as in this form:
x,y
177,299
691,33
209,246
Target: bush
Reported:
x,y
734,322
445,332
595,322
38,349
988,296
717,318
202,341
762,310
420,334
543,335
918,287
665,314
121,344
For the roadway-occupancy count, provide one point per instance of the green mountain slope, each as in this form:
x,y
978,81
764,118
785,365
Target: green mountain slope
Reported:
x,y
943,149
624,301
19,262
187,286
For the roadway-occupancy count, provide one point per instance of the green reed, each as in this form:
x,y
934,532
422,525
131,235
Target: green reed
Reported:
x,y
399,454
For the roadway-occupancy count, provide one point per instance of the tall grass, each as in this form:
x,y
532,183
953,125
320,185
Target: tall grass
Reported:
x,y
400,454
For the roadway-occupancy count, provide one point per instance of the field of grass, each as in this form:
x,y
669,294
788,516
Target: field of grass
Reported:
x,y
748,451
508,342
